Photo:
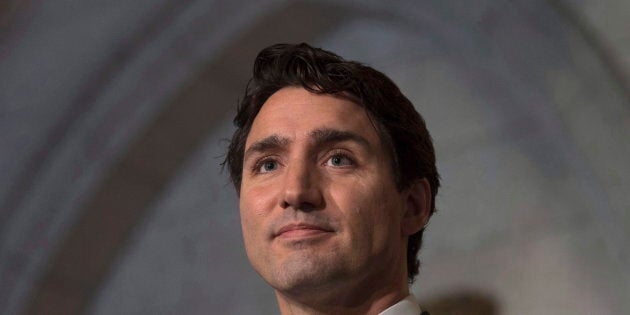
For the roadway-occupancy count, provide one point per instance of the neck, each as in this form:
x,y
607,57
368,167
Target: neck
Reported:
x,y
365,297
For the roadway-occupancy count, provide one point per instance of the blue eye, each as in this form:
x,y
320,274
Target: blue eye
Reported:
x,y
267,166
339,161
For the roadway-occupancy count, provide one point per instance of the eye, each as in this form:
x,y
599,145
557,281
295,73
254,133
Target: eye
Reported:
x,y
266,166
339,160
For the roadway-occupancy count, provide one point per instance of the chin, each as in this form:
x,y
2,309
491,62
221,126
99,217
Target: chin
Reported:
x,y
307,274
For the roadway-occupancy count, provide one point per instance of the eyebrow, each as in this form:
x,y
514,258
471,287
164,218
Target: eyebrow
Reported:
x,y
273,142
328,136
320,137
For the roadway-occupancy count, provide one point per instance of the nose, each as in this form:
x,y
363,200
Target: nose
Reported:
x,y
301,190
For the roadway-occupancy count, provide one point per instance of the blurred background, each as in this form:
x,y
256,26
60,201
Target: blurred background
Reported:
x,y
114,115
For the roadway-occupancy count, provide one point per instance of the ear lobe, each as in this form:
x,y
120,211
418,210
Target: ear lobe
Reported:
x,y
418,207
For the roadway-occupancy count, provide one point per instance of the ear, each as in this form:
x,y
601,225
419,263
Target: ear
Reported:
x,y
418,207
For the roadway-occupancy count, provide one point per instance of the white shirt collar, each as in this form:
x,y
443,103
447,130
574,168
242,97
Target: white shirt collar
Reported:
x,y
407,306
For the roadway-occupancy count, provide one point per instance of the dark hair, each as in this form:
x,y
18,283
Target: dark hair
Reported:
x,y
400,126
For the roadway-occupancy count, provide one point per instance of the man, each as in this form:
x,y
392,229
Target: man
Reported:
x,y
336,176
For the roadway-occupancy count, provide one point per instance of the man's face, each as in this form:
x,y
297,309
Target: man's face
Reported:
x,y
319,206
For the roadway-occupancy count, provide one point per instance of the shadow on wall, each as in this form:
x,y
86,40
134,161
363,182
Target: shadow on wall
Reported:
x,y
463,302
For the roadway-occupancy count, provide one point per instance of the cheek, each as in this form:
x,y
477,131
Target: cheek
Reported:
x,y
257,198
370,208
359,204
255,204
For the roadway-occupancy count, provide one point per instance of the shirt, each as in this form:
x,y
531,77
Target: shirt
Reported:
x,y
407,306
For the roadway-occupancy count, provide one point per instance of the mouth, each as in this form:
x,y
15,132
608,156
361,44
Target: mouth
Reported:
x,y
301,230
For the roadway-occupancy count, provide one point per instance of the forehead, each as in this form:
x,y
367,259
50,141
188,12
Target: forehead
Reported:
x,y
294,112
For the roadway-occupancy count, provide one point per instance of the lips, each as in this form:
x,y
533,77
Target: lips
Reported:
x,y
301,230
